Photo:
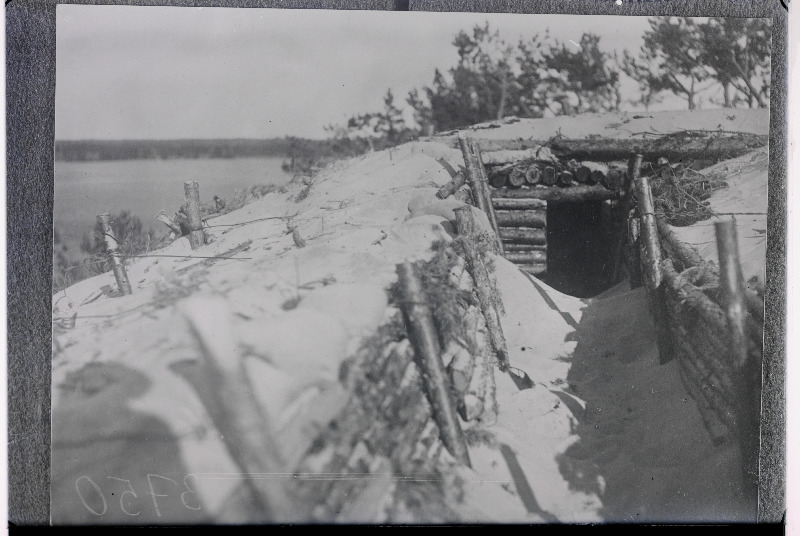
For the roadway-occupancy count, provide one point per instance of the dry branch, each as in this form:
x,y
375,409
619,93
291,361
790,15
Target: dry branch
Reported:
x,y
243,425
487,294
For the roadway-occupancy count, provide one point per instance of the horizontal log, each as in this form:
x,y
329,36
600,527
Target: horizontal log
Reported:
x,y
533,175
574,194
498,158
498,180
527,257
678,147
591,172
522,218
452,186
566,178
514,246
522,204
686,254
533,269
615,178
516,178
523,235
549,175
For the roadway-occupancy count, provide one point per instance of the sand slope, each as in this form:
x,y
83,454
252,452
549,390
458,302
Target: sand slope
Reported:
x,y
604,433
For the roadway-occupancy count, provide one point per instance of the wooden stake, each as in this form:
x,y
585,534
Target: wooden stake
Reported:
x,y
649,234
483,185
634,260
652,271
425,340
487,294
747,373
243,425
630,179
112,248
191,191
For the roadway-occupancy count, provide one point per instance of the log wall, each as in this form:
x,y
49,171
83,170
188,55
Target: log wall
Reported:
x,y
727,390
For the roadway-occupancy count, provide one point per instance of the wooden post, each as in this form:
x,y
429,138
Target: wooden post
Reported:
x,y
649,234
113,252
487,294
746,373
630,180
471,172
634,260
196,235
425,340
731,289
243,425
483,184
651,268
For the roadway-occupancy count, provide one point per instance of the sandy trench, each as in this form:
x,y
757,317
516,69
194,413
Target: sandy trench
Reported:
x,y
606,434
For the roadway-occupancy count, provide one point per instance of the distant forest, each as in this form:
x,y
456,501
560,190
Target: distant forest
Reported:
x,y
287,147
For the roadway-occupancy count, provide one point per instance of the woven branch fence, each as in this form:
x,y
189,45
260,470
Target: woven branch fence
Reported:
x,y
709,322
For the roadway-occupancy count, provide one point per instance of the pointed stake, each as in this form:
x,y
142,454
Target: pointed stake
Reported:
x,y
197,237
425,340
113,252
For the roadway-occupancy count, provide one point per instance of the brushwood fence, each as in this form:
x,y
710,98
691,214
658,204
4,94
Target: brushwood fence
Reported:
x,y
709,322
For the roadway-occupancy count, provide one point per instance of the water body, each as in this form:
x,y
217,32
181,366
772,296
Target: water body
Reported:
x,y
144,187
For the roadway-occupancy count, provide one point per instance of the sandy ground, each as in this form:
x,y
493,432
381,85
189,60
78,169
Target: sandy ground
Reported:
x,y
745,200
625,124
605,433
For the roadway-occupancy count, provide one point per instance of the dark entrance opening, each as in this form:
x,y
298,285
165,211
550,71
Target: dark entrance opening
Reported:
x,y
579,247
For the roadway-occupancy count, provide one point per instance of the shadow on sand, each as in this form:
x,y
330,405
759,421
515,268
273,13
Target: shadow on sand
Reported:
x,y
111,464
643,448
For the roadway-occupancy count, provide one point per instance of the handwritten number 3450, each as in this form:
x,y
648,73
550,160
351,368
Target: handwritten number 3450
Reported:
x,y
130,491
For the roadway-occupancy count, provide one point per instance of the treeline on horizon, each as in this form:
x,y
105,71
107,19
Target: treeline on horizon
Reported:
x,y
724,62
289,147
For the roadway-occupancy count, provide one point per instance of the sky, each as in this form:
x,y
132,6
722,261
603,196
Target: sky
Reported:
x,y
132,72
